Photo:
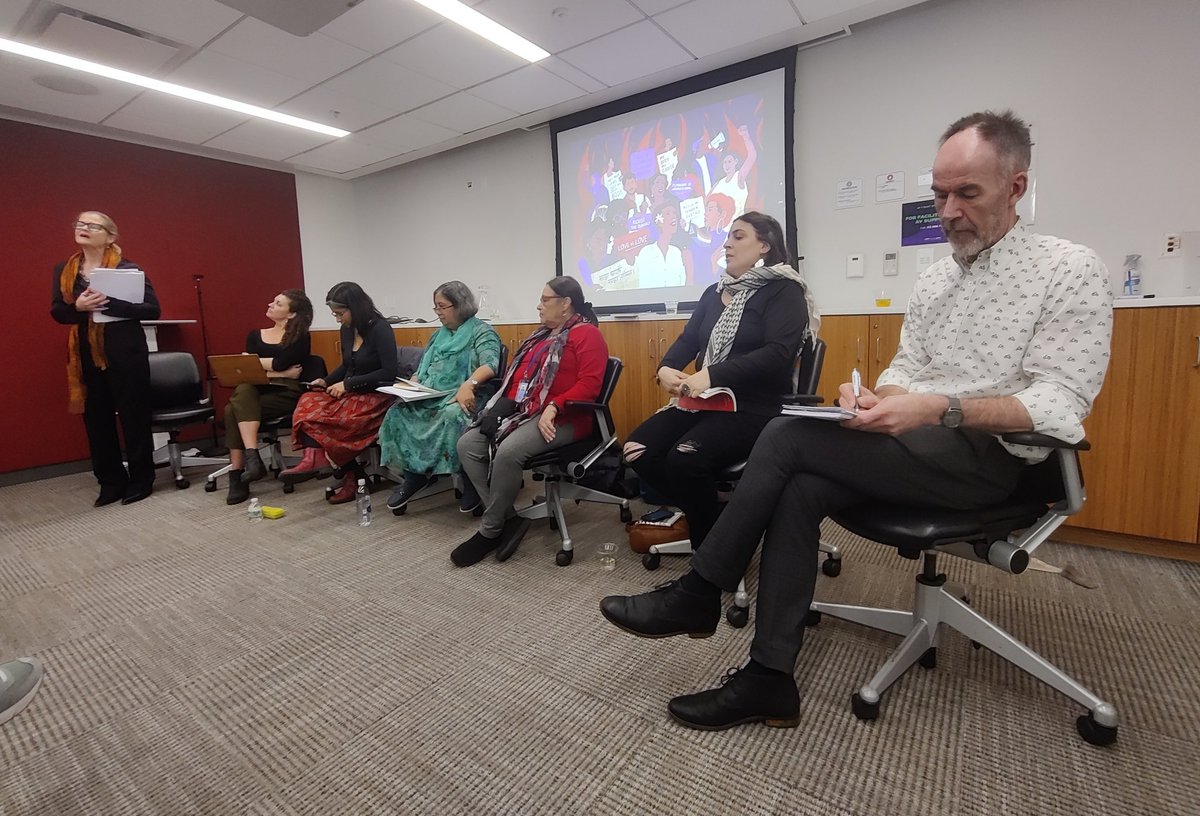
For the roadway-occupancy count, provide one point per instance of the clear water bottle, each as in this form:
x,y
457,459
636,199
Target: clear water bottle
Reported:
x,y
363,499
254,511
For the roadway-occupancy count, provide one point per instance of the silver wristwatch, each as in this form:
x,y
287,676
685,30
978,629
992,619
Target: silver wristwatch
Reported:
x,y
953,416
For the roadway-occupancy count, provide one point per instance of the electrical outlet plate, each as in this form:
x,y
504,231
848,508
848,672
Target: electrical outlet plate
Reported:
x,y
1172,244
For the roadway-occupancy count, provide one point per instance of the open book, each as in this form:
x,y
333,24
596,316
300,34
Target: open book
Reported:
x,y
834,413
410,391
711,399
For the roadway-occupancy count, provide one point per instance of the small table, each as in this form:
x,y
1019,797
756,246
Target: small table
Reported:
x,y
151,329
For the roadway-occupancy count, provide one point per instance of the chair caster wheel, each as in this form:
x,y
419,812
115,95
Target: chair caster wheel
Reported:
x,y
812,618
182,484
929,659
738,616
457,493
976,645
862,709
553,523
832,567
564,557
651,561
289,488
210,487
626,515
1093,732
329,492
275,472
375,481
400,511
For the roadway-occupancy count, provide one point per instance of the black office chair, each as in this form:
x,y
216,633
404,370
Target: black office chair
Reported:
x,y
805,376
270,432
991,536
563,468
179,399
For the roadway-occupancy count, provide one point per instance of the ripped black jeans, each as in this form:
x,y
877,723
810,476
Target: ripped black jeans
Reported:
x,y
684,452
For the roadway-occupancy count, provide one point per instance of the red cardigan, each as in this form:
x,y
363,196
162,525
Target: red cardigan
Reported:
x,y
580,374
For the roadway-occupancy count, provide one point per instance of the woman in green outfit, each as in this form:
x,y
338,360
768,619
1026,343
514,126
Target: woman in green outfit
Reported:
x,y
418,438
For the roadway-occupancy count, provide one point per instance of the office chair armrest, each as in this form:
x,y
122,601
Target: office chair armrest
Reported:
x,y
1038,440
582,404
802,399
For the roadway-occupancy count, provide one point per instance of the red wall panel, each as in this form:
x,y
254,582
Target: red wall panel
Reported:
x,y
179,215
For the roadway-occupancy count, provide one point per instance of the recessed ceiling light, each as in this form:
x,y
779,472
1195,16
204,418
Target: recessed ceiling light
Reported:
x,y
486,27
95,68
66,84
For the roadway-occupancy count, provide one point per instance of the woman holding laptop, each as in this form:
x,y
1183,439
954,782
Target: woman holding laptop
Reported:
x,y
108,363
418,438
282,349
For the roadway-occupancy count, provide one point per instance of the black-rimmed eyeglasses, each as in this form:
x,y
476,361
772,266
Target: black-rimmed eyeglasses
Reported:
x,y
89,226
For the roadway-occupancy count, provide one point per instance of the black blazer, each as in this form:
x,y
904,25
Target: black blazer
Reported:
x,y
120,338
759,367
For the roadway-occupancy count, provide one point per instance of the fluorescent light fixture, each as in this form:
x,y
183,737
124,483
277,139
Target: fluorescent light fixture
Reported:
x,y
13,47
485,27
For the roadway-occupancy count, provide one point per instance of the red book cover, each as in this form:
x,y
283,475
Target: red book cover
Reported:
x,y
713,399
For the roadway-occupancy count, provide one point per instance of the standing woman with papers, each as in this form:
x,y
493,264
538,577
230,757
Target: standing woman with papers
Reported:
x,y
341,416
418,438
108,362
744,337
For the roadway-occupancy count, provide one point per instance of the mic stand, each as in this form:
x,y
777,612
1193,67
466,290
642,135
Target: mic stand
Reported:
x,y
208,375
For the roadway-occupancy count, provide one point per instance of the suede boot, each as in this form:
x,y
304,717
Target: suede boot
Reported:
x,y
255,469
239,490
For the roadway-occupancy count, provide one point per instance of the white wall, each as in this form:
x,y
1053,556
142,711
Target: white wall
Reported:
x,y
329,238
420,225
1108,84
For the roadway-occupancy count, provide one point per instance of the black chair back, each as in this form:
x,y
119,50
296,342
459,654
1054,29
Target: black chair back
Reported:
x,y
313,368
807,372
174,380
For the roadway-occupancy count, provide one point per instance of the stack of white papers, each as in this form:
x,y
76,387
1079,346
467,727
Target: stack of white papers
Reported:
x,y
122,284
410,391
833,413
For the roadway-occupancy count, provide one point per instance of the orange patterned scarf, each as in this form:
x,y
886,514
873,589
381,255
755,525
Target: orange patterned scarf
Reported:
x,y
76,391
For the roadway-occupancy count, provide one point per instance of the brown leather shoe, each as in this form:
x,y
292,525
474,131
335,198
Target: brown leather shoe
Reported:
x,y
643,536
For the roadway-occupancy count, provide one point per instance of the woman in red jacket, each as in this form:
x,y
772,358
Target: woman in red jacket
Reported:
x,y
562,360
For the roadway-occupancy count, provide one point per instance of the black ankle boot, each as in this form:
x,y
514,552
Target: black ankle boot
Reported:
x,y
239,490
255,469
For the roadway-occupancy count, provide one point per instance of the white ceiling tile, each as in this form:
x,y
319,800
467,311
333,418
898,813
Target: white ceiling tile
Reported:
x,y
657,6
313,58
527,89
577,21
170,117
18,90
405,134
634,52
464,113
692,24
108,46
267,140
454,55
10,15
227,76
812,10
338,109
343,156
565,70
377,25
192,22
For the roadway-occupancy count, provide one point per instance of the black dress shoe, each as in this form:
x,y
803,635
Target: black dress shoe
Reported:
x,y
668,610
510,537
109,494
742,697
473,550
135,493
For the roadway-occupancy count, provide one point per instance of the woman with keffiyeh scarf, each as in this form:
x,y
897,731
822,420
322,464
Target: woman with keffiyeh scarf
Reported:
x,y
108,364
744,335
563,360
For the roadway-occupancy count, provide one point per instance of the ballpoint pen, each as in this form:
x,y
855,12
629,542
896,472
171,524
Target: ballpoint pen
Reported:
x,y
856,384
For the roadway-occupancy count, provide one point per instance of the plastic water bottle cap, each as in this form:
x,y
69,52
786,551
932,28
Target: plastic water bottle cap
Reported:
x,y
362,482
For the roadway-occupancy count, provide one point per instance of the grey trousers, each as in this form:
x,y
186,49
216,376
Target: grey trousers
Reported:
x,y
517,448
799,472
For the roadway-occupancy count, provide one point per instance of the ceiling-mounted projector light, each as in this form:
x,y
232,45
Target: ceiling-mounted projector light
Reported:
x,y
95,68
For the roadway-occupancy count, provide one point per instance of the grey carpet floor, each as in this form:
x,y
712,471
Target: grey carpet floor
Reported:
x,y
198,663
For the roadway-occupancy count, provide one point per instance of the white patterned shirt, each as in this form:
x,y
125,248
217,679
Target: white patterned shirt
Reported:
x,y
1030,318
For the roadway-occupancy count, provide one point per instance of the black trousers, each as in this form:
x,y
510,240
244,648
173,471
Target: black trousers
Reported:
x,y
121,391
800,471
686,450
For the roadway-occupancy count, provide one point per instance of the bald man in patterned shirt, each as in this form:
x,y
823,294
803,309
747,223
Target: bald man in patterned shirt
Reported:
x,y
1010,333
